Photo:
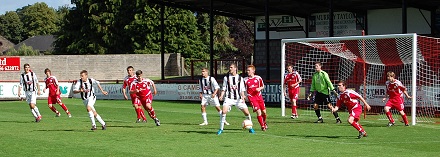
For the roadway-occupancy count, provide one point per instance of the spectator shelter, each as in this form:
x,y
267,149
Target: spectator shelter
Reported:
x,y
251,9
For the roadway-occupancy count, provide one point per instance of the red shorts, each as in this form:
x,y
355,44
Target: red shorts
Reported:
x,y
146,100
293,93
257,103
356,113
54,99
396,103
135,100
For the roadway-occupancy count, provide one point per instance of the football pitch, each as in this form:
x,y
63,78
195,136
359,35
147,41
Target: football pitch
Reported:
x,y
180,134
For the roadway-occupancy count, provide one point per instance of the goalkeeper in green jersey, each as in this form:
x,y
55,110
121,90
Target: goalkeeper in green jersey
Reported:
x,y
322,85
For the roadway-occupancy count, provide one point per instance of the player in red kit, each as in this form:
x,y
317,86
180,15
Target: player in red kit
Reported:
x,y
142,88
395,91
254,85
134,100
350,99
54,93
292,81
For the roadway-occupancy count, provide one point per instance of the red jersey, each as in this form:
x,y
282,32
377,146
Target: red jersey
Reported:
x,y
143,86
349,98
292,78
52,84
127,82
252,83
395,89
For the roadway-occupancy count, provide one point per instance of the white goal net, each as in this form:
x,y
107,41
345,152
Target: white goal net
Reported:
x,y
363,61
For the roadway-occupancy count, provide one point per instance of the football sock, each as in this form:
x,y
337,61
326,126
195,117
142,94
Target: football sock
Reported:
x,y
336,115
100,119
318,113
260,120
357,126
64,107
264,117
33,113
37,111
249,117
53,109
92,118
294,110
151,113
205,119
142,114
138,113
390,117
405,119
222,121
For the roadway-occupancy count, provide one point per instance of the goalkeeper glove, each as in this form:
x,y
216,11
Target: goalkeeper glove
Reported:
x,y
310,95
335,93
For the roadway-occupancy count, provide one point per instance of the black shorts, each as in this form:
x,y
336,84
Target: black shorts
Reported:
x,y
322,99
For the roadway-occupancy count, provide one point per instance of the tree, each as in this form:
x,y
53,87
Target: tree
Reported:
x,y
11,27
23,50
38,19
243,33
222,41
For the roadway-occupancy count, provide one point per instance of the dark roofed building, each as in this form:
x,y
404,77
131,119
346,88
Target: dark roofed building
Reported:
x,y
5,44
41,43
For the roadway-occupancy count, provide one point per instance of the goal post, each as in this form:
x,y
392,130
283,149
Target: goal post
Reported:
x,y
363,61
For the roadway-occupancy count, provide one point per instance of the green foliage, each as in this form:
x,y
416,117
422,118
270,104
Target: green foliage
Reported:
x,y
180,134
115,26
23,50
243,32
38,19
222,40
11,27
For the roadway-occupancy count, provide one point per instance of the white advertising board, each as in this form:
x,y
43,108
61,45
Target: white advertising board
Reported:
x,y
9,90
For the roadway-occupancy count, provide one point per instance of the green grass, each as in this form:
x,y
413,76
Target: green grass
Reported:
x,y
180,134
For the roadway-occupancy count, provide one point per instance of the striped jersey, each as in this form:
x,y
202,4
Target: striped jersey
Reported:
x,y
208,85
233,85
89,91
28,81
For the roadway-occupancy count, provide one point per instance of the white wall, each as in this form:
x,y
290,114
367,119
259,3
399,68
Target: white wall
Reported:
x,y
381,21
389,21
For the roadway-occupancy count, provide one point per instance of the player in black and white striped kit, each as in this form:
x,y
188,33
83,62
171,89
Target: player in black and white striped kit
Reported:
x,y
31,88
233,90
208,94
84,86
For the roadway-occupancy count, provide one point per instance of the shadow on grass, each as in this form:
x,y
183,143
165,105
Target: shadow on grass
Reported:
x,y
58,130
181,123
16,121
127,126
375,125
200,132
214,131
322,136
291,121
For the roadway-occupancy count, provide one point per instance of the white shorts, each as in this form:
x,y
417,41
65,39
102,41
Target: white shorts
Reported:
x,y
90,102
240,104
31,97
208,100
